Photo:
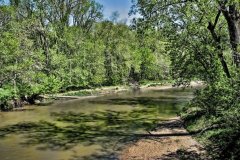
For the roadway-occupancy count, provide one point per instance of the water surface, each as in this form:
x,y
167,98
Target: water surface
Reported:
x,y
95,128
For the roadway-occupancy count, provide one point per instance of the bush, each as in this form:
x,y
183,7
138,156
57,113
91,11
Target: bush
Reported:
x,y
6,96
215,115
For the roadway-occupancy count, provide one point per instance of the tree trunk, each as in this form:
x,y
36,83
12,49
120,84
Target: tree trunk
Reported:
x,y
108,67
211,27
45,47
232,16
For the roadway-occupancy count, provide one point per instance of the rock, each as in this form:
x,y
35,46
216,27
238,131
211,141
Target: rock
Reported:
x,y
37,101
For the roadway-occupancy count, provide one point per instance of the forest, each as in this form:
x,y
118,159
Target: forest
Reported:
x,y
53,46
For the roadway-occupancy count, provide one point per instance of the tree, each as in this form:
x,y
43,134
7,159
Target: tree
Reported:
x,y
52,46
203,44
182,16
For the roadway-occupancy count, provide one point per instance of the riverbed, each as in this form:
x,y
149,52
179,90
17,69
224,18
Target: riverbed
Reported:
x,y
93,128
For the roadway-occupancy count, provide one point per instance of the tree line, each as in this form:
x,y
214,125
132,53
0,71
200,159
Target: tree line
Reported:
x,y
50,46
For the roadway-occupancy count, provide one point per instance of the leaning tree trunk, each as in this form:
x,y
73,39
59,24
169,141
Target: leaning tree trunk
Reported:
x,y
232,16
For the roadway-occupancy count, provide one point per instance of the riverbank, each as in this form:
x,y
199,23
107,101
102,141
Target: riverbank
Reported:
x,y
169,141
93,93
102,91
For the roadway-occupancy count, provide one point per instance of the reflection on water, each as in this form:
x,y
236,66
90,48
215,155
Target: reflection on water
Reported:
x,y
86,129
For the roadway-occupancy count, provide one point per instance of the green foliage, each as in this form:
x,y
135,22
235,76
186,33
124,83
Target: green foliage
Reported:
x,y
215,113
51,85
202,46
6,94
52,47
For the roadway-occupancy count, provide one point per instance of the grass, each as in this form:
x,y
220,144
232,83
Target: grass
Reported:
x,y
156,83
81,93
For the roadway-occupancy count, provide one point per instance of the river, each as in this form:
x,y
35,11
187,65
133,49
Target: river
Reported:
x,y
96,128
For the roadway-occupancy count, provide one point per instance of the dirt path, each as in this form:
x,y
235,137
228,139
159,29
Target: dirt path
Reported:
x,y
170,141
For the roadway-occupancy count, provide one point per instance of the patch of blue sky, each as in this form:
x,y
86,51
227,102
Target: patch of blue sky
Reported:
x,y
121,6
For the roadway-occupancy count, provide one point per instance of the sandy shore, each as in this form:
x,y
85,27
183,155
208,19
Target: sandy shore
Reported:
x,y
170,141
164,87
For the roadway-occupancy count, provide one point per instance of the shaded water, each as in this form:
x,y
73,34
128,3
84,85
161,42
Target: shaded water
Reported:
x,y
86,129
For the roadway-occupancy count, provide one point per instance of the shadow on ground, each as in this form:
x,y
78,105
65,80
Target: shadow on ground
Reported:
x,y
142,100
184,155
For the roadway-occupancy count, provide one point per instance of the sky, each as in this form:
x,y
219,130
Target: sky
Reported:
x,y
121,6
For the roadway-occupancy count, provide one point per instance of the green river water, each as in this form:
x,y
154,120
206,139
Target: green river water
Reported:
x,y
97,128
